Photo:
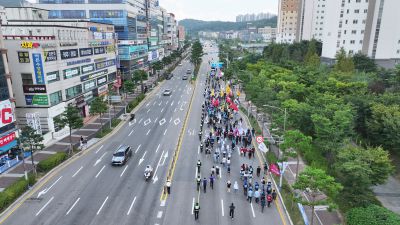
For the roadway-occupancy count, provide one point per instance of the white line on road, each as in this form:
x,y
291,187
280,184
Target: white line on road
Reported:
x,y
162,204
158,164
126,167
160,103
167,103
181,96
140,120
222,207
162,110
130,133
102,205
130,208
172,103
51,199
175,110
170,120
138,148
142,159
155,121
165,131
157,148
147,105
192,207
159,214
72,206
101,158
148,110
99,149
77,171
252,210
198,150
154,103
148,132
100,171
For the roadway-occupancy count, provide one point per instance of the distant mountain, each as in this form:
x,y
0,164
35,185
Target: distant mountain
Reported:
x,y
194,26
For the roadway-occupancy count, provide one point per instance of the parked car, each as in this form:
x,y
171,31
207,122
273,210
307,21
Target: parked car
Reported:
x,y
169,76
188,71
185,77
121,156
167,92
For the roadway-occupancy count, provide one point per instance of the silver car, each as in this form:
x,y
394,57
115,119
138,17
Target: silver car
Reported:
x,y
121,156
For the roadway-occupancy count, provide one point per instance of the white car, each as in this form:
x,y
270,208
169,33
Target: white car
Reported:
x,y
180,64
167,92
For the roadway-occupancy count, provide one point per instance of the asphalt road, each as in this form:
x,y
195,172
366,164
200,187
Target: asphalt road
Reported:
x,y
91,191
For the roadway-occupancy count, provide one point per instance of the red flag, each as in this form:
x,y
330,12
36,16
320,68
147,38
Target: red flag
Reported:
x,y
234,107
228,100
273,168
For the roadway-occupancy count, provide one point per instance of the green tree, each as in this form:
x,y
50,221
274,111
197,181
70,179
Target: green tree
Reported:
x,y
99,107
71,118
29,138
316,183
364,63
372,215
140,75
296,141
129,86
344,62
157,65
197,53
358,169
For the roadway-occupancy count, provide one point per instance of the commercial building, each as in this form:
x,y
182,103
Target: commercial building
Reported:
x,y
55,64
8,129
268,33
171,33
287,20
181,35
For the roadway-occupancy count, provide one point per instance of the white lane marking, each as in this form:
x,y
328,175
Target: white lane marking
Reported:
x,y
175,109
170,120
102,205
155,121
130,133
172,103
130,208
220,173
51,199
140,120
147,105
44,191
126,167
181,96
147,122
138,147
162,204
154,103
142,159
148,110
252,210
238,150
101,158
198,150
160,103
170,96
72,206
165,131
100,171
148,132
167,103
99,149
157,148
162,110
222,207
161,122
192,206
177,121
159,214
155,178
77,171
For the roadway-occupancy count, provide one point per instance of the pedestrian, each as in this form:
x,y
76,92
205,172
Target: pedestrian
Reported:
x,y
249,195
269,200
262,202
228,185
274,194
196,210
213,170
231,210
257,195
217,170
212,181
236,187
198,181
168,185
245,188
204,184
198,165
258,171
265,168
253,131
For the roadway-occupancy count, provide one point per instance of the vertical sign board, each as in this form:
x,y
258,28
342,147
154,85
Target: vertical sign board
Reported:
x,y
33,120
38,68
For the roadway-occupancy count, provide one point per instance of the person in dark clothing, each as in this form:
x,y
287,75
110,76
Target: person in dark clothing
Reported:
x,y
204,184
196,210
258,171
269,200
274,194
212,181
231,210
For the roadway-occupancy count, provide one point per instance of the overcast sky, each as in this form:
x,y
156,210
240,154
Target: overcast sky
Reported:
x,y
225,10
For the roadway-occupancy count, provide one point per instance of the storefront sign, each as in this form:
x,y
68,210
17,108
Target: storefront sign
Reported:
x,y
102,90
85,51
110,49
38,67
87,96
99,50
52,76
29,44
72,72
101,80
50,56
23,57
33,120
87,68
100,59
5,140
65,44
105,64
6,113
48,45
93,75
99,43
97,35
33,89
36,100
79,61
89,85
69,53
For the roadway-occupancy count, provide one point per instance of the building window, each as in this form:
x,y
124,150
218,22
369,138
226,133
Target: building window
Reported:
x,y
4,93
23,57
105,1
106,13
356,11
27,78
55,98
354,32
61,1
52,77
73,91
365,10
71,72
355,21
67,14
352,42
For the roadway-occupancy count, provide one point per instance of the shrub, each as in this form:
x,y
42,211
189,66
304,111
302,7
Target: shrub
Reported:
x,y
372,215
103,133
14,191
115,122
51,162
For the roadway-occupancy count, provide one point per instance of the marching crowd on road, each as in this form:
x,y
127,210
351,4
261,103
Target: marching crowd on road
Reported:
x,y
224,135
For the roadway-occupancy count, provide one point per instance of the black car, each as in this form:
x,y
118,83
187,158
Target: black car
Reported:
x,y
121,156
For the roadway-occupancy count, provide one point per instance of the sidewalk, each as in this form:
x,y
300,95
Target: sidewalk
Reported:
x,y
88,131
322,216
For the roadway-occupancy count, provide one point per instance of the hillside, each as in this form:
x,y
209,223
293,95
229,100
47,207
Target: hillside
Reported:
x,y
194,26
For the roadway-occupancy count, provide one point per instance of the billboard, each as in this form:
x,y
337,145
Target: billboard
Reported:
x,y
6,113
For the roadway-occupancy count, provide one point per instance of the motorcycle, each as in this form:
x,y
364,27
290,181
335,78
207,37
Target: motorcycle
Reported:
x,y
132,117
148,173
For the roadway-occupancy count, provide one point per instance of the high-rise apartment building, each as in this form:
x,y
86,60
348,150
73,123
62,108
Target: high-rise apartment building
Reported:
x,y
181,35
287,20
